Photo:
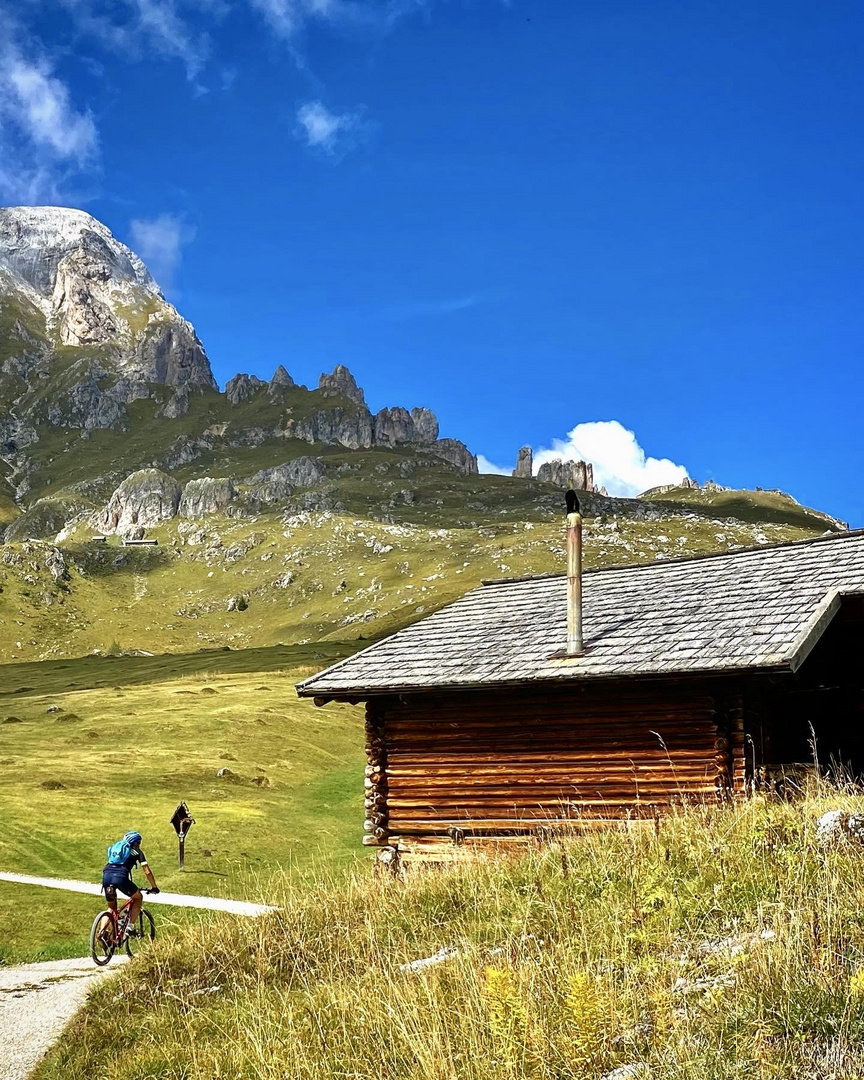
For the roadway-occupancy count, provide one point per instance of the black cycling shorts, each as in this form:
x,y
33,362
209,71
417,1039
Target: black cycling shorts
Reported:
x,y
114,878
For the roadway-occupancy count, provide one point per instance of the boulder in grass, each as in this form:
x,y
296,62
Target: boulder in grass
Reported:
x,y
835,825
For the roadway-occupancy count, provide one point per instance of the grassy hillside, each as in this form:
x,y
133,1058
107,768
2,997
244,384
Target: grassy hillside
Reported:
x,y
91,748
306,576
727,944
757,506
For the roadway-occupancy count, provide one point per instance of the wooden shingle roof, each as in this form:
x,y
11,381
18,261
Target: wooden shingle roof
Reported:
x,y
758,608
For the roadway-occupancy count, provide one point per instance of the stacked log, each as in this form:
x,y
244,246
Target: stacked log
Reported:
x,y
375,782
507,763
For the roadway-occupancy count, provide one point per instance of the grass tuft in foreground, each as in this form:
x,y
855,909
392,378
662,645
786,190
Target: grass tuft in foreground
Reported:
x,y
726,944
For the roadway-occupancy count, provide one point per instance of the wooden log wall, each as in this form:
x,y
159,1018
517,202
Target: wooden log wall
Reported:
x,y
506,762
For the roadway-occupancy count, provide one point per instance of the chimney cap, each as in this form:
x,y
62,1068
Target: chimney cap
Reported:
x,y
572,502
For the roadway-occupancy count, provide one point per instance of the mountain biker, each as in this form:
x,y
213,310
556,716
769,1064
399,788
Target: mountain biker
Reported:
x,y
123,857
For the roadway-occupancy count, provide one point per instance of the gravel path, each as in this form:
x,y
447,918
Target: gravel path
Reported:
x,y
36,1003
203,903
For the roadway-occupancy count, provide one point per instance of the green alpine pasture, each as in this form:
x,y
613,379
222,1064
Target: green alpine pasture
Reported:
x,y
91,748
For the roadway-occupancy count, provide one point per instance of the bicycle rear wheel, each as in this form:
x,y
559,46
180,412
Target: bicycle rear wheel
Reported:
x,y
146,932
102,938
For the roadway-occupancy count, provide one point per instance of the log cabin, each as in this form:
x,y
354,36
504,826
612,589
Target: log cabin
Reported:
x,y
699,678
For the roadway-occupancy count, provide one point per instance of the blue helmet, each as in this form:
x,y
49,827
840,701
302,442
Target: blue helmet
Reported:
x,y
133,838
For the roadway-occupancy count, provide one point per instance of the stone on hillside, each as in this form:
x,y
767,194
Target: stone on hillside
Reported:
x,y
206,496
56,565
147,497
425,425
177,404
135,533
578,475
273,485
341,383
837,825
236,603
525,463
242,387
637,1071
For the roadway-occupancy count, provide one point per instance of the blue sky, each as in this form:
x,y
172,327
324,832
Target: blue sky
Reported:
x,y
528,216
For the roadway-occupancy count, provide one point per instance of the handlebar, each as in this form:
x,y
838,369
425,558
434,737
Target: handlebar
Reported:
x,y
153,890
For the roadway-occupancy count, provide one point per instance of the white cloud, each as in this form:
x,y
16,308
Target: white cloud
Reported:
x,y
484,465
329,132
159,242
620,463
43,137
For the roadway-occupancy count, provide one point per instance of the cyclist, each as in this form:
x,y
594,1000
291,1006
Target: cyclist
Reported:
x,y
123,857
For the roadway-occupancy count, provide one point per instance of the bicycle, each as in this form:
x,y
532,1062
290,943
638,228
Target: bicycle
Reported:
x,y
111,931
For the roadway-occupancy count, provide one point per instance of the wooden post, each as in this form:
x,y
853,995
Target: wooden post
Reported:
x,y
575,645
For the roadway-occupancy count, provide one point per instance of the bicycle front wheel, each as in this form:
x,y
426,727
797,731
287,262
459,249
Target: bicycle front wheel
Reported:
x,y
146,931
102,938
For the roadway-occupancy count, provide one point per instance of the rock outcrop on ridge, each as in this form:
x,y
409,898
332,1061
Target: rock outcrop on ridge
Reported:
x,y
89,345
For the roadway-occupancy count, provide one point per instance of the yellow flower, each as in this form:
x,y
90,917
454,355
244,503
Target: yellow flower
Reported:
x,y
507,1016
856,983
587,1011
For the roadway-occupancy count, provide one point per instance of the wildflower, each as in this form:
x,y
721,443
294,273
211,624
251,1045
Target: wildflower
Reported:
x,y
508,1020
586,1011
856,983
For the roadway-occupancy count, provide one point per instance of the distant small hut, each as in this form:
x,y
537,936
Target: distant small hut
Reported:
x,y
698,679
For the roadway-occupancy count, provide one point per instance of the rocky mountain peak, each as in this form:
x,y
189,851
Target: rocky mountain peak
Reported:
x,y
341,383
36,240
281,379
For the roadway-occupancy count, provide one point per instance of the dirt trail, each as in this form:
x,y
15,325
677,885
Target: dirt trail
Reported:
x,y
204,903
36,1003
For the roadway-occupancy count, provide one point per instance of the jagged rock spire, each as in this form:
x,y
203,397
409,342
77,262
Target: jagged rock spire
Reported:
x,y
524,463
281,378
341,383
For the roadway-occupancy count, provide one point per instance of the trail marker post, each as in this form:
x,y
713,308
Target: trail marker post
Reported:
x,y
182,821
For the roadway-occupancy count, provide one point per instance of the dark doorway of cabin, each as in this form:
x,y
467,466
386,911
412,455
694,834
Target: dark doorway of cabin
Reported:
x,y
817,715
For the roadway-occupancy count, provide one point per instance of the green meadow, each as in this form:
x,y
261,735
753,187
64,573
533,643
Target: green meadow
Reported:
x,y
726,944
93,747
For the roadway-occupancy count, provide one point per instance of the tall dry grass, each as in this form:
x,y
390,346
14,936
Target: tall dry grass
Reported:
x,y
727,944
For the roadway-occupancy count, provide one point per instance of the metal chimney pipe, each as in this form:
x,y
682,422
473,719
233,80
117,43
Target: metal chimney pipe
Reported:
x,y
575,645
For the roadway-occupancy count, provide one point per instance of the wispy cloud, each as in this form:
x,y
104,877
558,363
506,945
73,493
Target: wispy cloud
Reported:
x,y
401,312
620,463
43,136
287,18
159,242
140,28
328,132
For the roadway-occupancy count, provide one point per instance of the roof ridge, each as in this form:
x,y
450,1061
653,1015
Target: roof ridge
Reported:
x,y
822,538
